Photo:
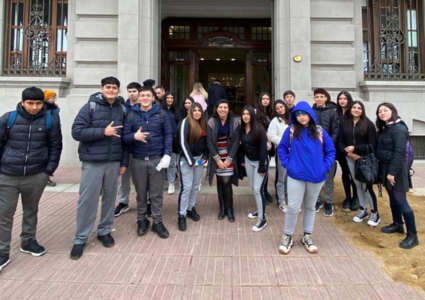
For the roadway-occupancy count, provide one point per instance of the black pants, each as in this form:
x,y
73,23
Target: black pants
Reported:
x,y
225,190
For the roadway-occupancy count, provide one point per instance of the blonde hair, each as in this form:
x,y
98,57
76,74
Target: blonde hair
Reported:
x,y
199,89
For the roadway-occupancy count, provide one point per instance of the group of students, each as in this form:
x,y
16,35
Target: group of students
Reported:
x,y
137,140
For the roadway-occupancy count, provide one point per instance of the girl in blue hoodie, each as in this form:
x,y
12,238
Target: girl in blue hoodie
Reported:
x,y
308,153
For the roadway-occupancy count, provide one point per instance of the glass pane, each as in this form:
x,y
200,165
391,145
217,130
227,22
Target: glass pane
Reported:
x,y
62,40
411,20
179,85
17,14
261,81
62,14
413,39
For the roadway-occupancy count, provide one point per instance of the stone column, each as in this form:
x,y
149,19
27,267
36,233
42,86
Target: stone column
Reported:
x,y
138,41
292,38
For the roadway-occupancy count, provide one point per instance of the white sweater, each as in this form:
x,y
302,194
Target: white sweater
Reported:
x,y
276,129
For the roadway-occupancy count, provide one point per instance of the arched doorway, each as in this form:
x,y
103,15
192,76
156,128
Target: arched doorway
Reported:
x,y
238,52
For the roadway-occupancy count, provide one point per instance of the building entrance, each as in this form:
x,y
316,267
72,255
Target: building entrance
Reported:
x,y
238,52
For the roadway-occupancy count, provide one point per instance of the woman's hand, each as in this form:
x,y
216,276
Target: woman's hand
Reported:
x,y
220,164
226,164
243,165
391,179
349,149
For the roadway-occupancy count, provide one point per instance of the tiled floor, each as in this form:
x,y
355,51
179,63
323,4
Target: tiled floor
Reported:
x,y
211,260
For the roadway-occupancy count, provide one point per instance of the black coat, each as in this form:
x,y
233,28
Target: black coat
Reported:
x,y
29,148
215,93
90,132
196,149
328,119
354,135
391,153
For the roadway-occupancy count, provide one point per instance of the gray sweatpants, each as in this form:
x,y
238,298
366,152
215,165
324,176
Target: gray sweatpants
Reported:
x,y
147,177
31,188
329,186
171,170
362,190
124,187
96,177
190,179
257,183
299,192
281,173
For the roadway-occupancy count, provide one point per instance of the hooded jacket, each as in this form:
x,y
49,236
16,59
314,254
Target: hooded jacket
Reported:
x,y
29,148
304,158
89,130
159,140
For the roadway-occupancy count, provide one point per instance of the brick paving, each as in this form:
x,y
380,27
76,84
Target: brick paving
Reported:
x,y
212,260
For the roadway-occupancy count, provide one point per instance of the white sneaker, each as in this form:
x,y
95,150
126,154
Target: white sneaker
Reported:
x,y
171,189
309,245
283,207
259,226
286,244
361,215
374,219
253,215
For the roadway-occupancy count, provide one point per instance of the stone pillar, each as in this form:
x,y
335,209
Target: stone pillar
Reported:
x,y
138,41
292,38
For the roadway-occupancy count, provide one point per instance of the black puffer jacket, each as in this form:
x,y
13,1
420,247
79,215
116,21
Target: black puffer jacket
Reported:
x,y
328,119
90,132
354,135
391,153
29,147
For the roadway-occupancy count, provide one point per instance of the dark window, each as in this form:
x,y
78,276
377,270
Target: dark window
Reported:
x,y
179,32
179,56
36,38
240,31
392,39
202,30
261,33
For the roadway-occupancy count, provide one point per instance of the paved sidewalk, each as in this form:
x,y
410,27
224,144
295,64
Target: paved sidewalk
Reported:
x,y
212,260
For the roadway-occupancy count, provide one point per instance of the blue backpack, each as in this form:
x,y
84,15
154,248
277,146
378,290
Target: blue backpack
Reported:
x,y
410,157
14,114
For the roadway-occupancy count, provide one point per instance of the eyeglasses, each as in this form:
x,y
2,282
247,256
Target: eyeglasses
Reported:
x,y
300,112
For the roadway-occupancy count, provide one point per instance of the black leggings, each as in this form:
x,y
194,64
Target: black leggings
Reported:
x,y
225,190
401,209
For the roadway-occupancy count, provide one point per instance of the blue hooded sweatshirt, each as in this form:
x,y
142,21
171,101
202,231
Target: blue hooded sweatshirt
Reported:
x,y
306,161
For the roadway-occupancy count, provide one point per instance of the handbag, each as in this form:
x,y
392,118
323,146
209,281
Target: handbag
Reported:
x,y
366,169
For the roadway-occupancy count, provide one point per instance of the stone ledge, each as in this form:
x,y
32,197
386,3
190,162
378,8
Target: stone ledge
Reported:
x,y
42,82
379,86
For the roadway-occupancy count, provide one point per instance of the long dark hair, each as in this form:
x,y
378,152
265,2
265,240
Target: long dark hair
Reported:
x,y
362,123
229,116
267,111
174,107
183,109
394,116
349,102
311,129
196,126
287,116
256,129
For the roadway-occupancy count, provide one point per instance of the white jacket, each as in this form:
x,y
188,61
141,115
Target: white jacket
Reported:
x,y
276,129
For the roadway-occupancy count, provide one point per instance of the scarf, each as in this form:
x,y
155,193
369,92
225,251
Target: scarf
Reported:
x,y
223,129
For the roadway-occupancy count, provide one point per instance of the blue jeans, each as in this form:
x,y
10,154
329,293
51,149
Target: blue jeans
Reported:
x,y
400,209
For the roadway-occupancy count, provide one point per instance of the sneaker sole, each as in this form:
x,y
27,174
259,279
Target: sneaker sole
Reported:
x,y
257,229
374,224
358,220
124,210
327,215
5,264
308,250
32,253
283,251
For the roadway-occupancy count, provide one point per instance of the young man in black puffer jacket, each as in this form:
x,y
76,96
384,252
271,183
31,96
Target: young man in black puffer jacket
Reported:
x,y
98,129
30,149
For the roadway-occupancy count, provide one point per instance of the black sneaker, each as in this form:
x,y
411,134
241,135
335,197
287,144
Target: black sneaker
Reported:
x,y
329,210
192,214
319,205
33,248
354,204
160,230
346,203
308,243
393,228
107,240
4,260
121,208
181,223
260,225
142,227
410,241
77,251
50,183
